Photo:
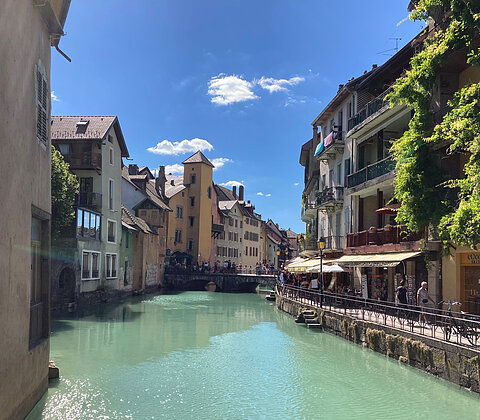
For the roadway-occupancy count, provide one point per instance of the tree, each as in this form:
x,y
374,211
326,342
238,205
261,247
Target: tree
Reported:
x,y
427,196
64,187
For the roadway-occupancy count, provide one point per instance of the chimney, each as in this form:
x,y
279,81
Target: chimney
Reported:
x,y
315,133
374,66
234,191
240,192
248,202
340,87
160,182
133,169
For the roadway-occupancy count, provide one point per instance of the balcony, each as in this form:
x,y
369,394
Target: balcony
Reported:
x,y
368,110
330,196
386,235
217,229
334,242
331,145
372,171
309,212
84,160
89,200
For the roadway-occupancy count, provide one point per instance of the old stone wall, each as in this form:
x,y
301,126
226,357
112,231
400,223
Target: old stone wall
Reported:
x,y
446,360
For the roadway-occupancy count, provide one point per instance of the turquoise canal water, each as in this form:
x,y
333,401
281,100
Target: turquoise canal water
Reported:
x,y
199,355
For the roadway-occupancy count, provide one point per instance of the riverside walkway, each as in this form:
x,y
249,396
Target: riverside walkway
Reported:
x,y
444,325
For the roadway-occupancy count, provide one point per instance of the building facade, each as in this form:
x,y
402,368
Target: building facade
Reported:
x,y
27,29
93,146
145,210
190,222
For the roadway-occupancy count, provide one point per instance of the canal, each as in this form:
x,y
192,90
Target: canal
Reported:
x,y
199,355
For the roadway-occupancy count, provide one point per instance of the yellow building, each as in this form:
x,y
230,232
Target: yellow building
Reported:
x,y
190,222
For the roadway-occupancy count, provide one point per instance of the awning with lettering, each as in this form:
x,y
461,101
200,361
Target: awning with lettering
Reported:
x,y
391,259
302,266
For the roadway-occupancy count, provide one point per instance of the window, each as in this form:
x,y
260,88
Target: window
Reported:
x,y
110,194
88,224
192,201
230,236
42,100
193,178
110,266
110,138
256,252
339,174
330,178
191,220
179,212
209,192
178,236
190,244
111,156
38,291
111,231
235,237
64,149
218,251
246,220
230,222
241,224
236,223
347,170
246,250
90,265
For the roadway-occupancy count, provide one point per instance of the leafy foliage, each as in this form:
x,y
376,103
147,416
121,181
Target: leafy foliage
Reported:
x,y
422,188
64,187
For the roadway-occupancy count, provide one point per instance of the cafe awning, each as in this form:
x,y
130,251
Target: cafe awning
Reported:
x,y
302,266
326,269
375,260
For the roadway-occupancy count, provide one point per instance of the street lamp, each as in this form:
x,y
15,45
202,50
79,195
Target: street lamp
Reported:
x,y
321,247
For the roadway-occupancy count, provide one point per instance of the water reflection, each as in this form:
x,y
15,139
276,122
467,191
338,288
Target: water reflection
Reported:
x,y
211,355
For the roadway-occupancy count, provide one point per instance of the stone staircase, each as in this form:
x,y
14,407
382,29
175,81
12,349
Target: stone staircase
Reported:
x,y
310,318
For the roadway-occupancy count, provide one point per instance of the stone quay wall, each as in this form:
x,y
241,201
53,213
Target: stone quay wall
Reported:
x,y
445,360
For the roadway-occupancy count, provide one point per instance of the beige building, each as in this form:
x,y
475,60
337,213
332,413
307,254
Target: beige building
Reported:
x,y
89,263
251,238
27,31
190,222
229,242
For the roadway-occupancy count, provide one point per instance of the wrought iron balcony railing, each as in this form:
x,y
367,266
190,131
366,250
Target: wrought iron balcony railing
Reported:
x,y
89,200
372,171
369,109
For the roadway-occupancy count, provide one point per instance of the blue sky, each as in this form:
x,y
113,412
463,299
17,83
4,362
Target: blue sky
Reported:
x,y
241,79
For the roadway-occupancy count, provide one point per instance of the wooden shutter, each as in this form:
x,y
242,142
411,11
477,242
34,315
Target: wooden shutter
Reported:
x,y
42,105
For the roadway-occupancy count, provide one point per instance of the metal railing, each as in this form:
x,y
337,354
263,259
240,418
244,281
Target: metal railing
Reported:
x,y
85,160
458,328
372,171
90,200
330,194
369,109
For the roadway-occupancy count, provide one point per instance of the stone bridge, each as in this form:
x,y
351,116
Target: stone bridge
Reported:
x,y
224,282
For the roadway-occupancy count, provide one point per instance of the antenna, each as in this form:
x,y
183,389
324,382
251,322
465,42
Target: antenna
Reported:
x,y
389,51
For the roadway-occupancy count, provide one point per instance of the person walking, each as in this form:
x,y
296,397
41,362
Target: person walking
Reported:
x,y
401,297
422,301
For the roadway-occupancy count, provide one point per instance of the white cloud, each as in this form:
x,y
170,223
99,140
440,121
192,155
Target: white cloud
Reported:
x,y
174,169
232,184
264,195
277,85
219,162
166,147
296,184
226,90
54,97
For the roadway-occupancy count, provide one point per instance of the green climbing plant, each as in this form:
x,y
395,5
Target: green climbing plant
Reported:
x,y
427,195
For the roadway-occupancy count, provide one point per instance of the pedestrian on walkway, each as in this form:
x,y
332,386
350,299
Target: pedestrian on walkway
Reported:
x,y
401,298
422,301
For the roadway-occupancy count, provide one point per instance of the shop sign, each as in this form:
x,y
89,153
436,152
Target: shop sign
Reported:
x,y
470,258
364,286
